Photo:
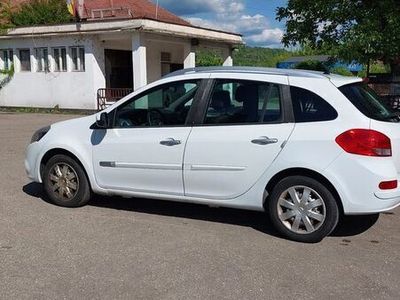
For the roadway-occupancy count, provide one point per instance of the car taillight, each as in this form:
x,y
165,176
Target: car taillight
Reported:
x,y
365,142
388,185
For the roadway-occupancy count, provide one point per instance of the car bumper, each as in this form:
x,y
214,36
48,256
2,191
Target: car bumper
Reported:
x,y
32,162
357,179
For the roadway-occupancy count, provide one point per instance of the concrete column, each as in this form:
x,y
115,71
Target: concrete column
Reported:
x,y
17,62
139,61
33,60
189,60
228,60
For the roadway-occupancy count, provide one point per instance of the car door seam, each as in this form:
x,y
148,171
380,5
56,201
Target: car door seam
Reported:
x,y
183,160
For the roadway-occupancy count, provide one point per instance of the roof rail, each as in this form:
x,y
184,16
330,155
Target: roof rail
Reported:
x,y
248,70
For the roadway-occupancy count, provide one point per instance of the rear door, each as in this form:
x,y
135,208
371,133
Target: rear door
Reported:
x,y
242,131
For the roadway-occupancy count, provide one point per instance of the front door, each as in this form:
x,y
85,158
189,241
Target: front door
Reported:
x,y
143,152
242,133
118,68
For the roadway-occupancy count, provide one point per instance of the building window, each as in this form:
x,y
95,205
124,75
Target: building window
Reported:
x,y
25,59
42,59
60,59
78,59
6,59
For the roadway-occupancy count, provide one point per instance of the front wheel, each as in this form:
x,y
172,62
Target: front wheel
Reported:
x,y
65,182
303,209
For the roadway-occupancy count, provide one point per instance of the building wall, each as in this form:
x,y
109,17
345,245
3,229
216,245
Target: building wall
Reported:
x,y
78,90
154,50
48,89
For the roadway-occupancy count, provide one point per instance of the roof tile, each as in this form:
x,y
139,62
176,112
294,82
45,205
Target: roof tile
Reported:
x,y
139,9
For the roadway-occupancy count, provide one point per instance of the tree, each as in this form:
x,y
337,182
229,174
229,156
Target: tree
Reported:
x,y
350,29
208,58
34,12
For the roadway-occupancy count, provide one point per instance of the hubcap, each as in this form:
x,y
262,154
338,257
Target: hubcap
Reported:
x,y
64,181
301,209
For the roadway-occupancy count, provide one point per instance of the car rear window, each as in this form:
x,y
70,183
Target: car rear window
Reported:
x,y
309,107
369,103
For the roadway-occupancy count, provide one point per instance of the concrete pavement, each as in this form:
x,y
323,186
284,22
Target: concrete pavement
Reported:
x,y
118,248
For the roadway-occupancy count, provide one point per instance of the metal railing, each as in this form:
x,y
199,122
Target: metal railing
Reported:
x,y
108,96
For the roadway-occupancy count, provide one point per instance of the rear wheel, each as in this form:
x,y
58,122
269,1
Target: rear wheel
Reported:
x,y
303,209
65,182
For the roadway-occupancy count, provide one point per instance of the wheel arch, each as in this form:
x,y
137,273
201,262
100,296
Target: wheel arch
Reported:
x,y
57,151
307,173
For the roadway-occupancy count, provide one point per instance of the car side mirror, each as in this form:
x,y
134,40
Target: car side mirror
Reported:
x,y
102,121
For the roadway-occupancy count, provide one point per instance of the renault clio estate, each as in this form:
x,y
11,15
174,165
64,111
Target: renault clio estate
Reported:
x,y
302,146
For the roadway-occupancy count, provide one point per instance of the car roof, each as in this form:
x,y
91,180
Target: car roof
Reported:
x,y
337,80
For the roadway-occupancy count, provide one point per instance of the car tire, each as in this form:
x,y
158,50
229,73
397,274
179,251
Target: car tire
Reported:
x,y
65,182
310,216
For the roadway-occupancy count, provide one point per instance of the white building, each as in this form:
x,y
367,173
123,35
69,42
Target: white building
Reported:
x,y
111,52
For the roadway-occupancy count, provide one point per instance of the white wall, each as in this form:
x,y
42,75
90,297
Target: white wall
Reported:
x,y
66,89
154,50
79,89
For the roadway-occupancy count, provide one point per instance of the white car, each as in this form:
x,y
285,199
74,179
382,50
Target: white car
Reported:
x,y
302,146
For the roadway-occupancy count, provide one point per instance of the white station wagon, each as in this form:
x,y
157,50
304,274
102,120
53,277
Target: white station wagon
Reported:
x,y
302,146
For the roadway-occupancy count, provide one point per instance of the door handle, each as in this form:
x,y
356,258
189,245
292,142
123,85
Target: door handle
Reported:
x,y
264,140
170,142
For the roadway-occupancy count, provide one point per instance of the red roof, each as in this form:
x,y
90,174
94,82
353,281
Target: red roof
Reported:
x,y
125,9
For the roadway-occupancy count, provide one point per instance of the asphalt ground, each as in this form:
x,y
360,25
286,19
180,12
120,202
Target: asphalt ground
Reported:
x,y
118,248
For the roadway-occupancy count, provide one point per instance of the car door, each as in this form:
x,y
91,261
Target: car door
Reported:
x,y
244,129
143,151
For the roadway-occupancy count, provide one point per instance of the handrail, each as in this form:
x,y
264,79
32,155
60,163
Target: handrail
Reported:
x,y
108,96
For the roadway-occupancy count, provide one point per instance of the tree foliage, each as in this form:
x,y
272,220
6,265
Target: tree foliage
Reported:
x,y
245,56
350,29
259,57
34,12
208,58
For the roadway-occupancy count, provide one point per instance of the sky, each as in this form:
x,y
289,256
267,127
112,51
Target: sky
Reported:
x,y
254,19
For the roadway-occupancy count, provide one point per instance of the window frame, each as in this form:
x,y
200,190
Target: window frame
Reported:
x,y
20,60
365,110
46,60
315,93
286,113
190,116
6,65
78,59
59,48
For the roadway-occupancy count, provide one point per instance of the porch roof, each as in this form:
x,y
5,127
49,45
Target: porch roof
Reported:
x,y
109,26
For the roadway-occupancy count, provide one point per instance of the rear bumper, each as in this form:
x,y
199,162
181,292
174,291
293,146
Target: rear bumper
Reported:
x,y
357,178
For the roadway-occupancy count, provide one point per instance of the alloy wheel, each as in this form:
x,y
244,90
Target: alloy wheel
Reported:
x,y
301,209
64,181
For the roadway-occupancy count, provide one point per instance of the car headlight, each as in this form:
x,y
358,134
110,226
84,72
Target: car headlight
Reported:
x,y
37,136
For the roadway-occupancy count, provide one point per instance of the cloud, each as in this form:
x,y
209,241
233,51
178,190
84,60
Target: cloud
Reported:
x,y
227,15
255,29
267,36
192,7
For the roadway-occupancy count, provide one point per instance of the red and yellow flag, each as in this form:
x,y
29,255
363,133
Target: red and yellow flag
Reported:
x,y
71,7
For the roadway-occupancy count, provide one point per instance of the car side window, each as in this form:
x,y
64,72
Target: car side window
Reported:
x,y
309,107
167,105
243,102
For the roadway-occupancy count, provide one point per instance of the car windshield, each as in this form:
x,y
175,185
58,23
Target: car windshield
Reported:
x,y
369,103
